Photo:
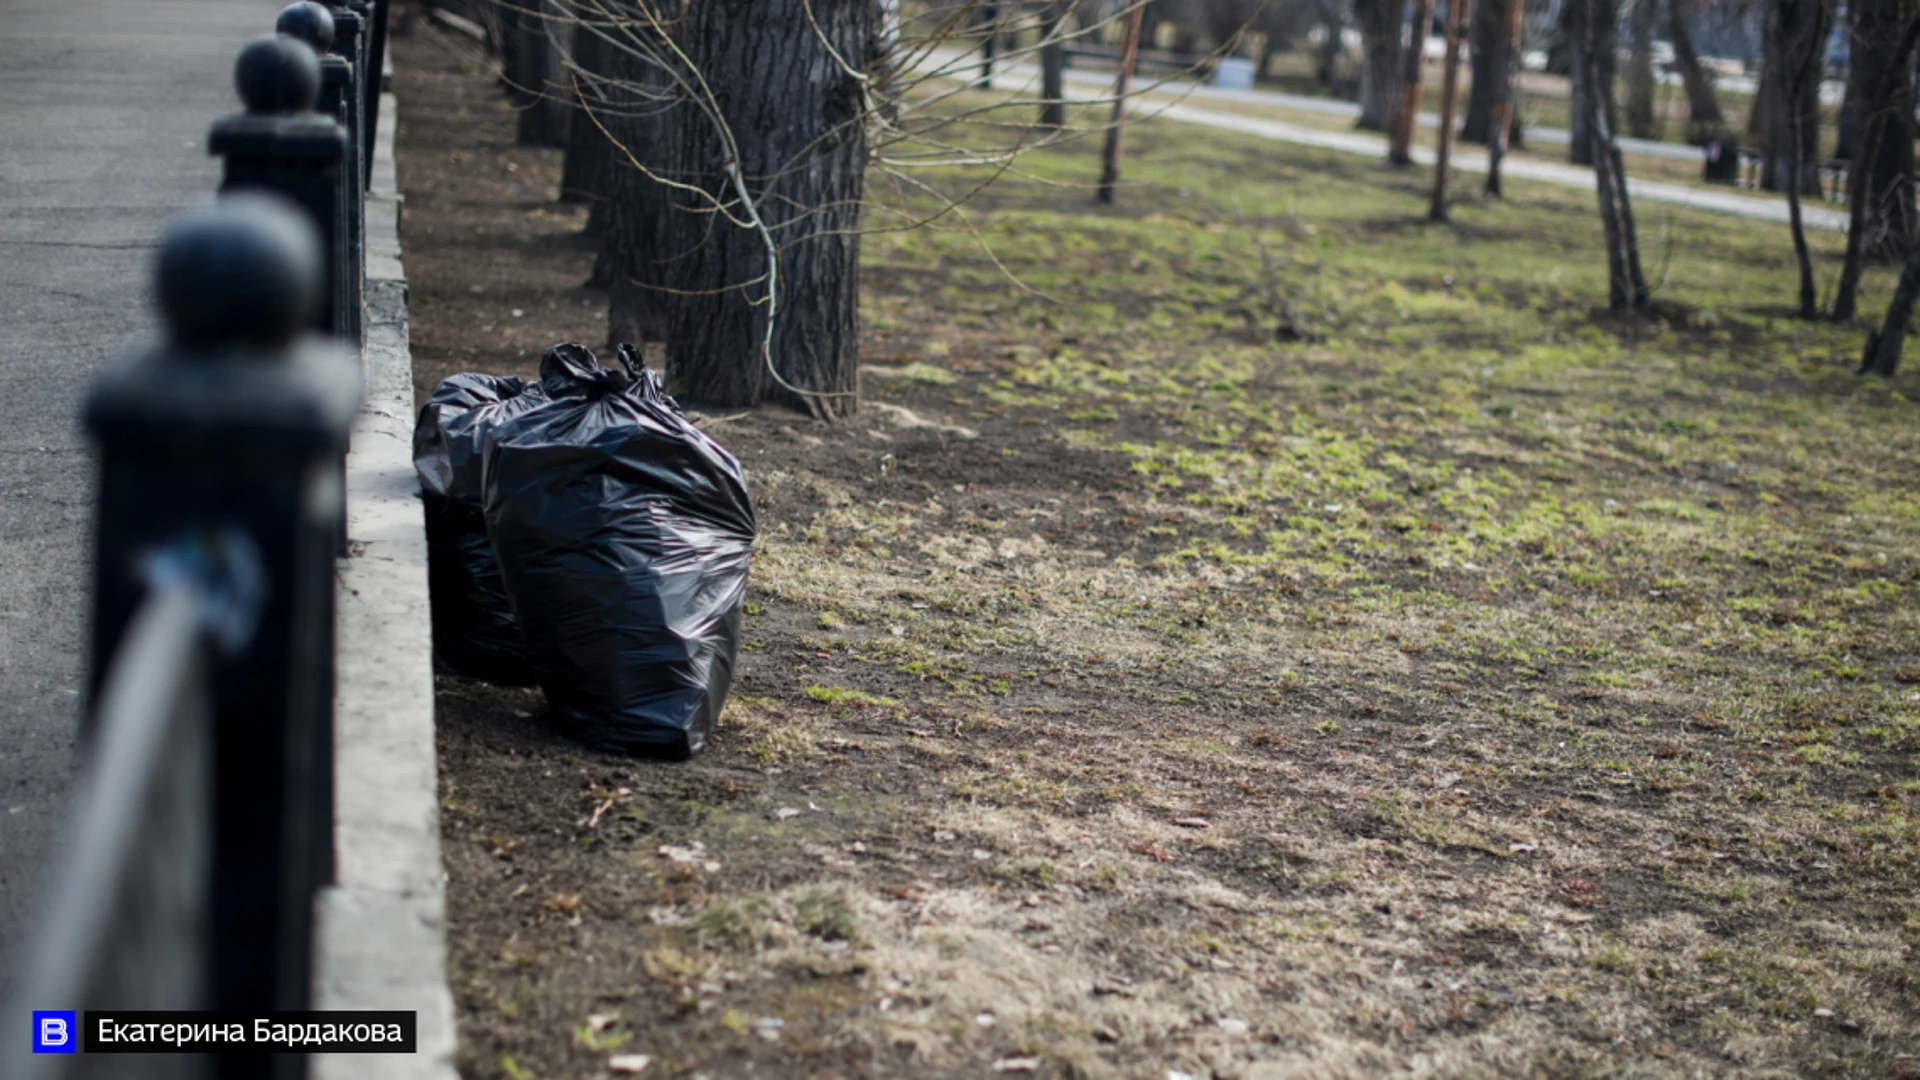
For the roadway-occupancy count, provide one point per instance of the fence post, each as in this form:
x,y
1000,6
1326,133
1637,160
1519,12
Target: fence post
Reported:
x,y
374,82
280,144
313,24
350,43
236,420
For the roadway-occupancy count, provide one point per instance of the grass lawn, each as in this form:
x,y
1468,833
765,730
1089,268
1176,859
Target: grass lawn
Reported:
x,y
1249,631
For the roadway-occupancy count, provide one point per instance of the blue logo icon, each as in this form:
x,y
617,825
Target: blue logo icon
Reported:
x,y
55,1033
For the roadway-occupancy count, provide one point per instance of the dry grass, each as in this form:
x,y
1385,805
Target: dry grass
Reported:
x,y
1488,687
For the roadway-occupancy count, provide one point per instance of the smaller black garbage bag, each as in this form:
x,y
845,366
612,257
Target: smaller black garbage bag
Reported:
x,y
474,631
623,534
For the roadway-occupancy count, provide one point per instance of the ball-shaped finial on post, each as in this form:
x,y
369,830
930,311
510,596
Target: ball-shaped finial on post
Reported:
x,y
309,22
246,272
277,75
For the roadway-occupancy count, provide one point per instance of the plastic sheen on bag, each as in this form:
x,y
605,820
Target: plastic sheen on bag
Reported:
x,y
623,535
474,630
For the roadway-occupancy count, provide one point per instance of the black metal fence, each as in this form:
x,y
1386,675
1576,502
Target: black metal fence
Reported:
x,y
201,825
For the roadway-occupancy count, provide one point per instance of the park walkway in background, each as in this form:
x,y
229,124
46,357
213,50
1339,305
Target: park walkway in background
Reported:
x,y
104,107
1212,107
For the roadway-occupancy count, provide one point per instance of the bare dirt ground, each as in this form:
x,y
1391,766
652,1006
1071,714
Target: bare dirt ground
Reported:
x,y
1478,688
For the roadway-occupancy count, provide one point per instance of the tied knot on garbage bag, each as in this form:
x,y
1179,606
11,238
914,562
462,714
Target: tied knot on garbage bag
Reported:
x,y
619,536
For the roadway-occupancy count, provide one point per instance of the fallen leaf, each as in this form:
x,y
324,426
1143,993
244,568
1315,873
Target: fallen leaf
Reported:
x,y
692,852
1151,852
564,902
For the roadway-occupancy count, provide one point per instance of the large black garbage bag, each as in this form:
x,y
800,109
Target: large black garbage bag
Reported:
x,y
623,534
474,631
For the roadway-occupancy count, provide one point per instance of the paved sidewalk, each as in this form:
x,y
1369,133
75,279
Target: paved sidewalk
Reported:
x,y
104,107
1189,103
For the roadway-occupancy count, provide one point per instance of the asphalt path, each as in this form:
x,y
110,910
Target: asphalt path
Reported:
x,y
104,107
1212,107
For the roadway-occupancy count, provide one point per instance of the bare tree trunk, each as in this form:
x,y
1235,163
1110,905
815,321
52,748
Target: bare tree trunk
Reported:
x,y
1449,96
1798,31
1053,67
534,70
1327,59
1110,151
990,21
1882,354
1809,297
587,172
1406,119
1626,284
1880,101
1595,78
1640,71
1705,122
791,165
636,260
1880,83
1503,127
1794,41
1491,46
1380,24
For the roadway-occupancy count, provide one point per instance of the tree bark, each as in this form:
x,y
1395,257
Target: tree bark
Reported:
x,y
1601,18
536,74
1705,121
990,37
1116,127
636,259
587,172
1327,59
1406,119
1491,46
1640,71
1794,42
1882,354
1053,68
794,168
1449,96
1380,23
1626,284
1880,99
1505,128
1880,85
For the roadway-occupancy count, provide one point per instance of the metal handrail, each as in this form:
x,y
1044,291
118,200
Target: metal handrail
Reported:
x,y
128,915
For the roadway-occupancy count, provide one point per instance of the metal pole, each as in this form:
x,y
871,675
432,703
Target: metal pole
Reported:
x,y
1110,154
236,421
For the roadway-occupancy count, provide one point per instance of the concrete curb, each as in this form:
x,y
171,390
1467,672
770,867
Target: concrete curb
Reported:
x,y
381,936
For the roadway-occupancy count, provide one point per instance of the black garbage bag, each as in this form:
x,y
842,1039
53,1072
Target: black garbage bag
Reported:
x,y
623,534
474,631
